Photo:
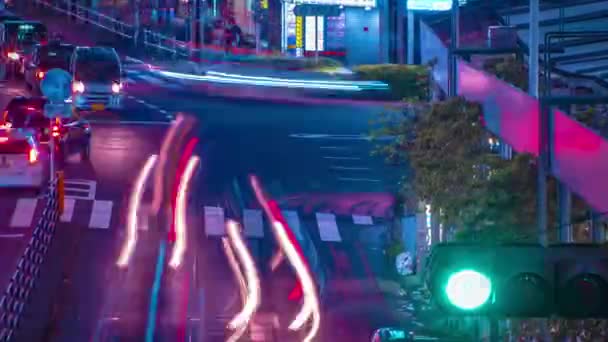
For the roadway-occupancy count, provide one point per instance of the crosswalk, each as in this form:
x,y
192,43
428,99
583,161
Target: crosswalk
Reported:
x,y
331,228
80,207
95,214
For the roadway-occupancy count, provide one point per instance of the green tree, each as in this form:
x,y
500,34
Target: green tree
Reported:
x,y
448,163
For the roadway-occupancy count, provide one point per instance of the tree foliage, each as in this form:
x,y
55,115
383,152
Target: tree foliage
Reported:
x,y
448,163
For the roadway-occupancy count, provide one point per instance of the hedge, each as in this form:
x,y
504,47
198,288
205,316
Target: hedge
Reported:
x,y
407,82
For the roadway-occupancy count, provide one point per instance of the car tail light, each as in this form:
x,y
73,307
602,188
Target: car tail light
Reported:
x,y
116,87
33,156
13,56
40,74
55,131
78,87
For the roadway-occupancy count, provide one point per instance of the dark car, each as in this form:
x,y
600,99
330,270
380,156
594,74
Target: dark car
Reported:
x,y
71,135
54,55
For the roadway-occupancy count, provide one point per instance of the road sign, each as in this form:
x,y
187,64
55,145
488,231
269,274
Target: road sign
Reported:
x,y
58,110
404,263
317,10
56,85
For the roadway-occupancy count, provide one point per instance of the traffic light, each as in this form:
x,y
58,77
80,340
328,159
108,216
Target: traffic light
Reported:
x,y
520,280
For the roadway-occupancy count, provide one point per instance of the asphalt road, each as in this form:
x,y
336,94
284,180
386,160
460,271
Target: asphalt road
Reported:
x,y
311,156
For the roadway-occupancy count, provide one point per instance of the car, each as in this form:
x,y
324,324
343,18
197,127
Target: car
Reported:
x,y
23,164
96,79
71,135
17,39
54,55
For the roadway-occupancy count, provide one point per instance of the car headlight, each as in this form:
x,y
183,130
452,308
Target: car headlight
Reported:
x,y
78,87
116,87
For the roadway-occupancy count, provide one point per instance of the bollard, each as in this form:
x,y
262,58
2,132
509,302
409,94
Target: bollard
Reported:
x,y
60,191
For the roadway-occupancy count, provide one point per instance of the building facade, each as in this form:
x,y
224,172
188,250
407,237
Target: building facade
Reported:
x,y
358,35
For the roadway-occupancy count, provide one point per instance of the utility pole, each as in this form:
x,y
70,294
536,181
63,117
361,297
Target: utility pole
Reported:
x,y
411,34
137,25
202,13
454,44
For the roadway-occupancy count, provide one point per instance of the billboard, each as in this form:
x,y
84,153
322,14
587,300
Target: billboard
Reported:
x,y
347,3
429,5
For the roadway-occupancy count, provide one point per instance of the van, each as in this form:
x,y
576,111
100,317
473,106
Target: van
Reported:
x,y
17,41
96,79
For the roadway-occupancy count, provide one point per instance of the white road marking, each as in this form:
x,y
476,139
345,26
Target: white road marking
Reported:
x,y
80,189
24,212
68,209
342,158
11,236
101,214
151,106
359,137
347,179
328,228
253,223
348,168
215,223
162,111
363,219
140,101
334,148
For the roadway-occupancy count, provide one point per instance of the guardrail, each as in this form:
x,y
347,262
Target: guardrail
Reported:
x,y
26,305
162,43
90,16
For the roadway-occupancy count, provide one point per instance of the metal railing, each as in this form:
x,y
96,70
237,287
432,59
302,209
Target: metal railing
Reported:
x,y
90,16
21,287
162,43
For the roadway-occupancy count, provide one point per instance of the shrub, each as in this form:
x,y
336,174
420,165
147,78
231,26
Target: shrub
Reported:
x,y
407,82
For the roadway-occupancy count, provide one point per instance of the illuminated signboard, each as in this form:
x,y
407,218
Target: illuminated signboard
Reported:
x,y
348,3
311,35
429,5
299,32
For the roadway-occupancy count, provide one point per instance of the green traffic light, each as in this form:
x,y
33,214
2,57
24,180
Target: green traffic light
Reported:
x,y
468,289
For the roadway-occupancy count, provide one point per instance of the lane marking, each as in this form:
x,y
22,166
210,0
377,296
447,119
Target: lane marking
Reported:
x,y
101,214
215,222
11,236
80,189
128,122
346,168
158,275
162,111
348,179
334,148
363,220
151,106
24,212
140,101
328,227
342,158
68,210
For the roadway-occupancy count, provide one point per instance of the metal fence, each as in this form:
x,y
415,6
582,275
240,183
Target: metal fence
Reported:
x,y
19,293
162,43
90,16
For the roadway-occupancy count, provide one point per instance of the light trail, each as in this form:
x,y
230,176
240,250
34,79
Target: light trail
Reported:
x,y
240,278
310,308
251,275
134,203
180,213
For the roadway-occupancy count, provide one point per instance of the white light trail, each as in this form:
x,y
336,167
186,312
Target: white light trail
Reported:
x,y
240,278
134,202
180,213
310,308
251,275
164,154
